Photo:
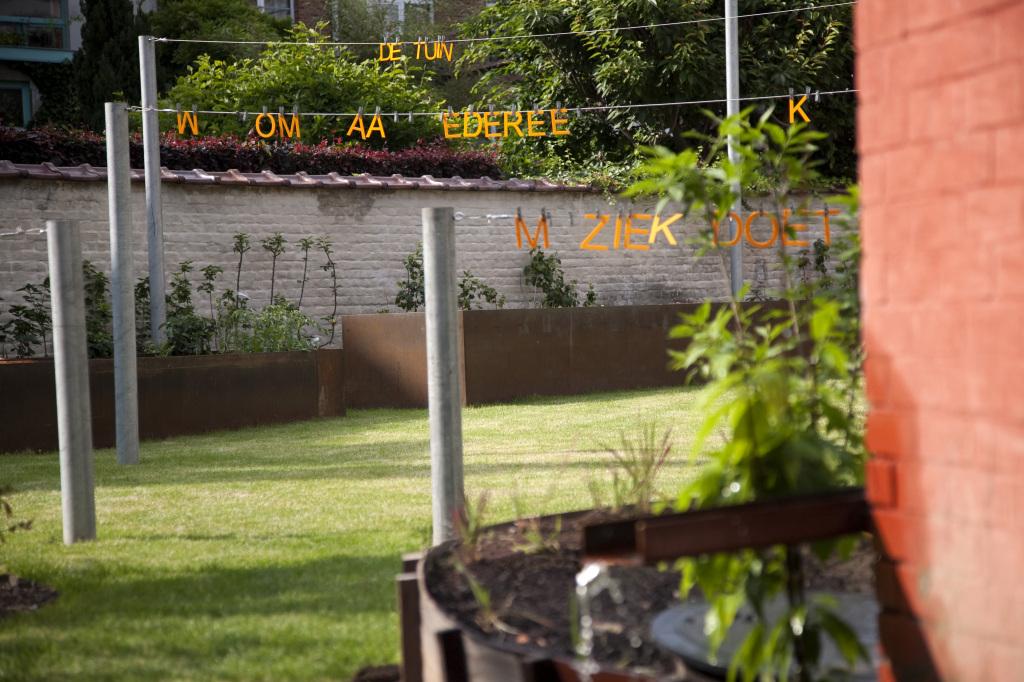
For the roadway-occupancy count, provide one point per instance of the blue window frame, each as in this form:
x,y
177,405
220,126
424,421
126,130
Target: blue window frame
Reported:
x,y
34,24
15,100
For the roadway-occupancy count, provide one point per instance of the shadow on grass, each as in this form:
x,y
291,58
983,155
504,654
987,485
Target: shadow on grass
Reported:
x,y
167,625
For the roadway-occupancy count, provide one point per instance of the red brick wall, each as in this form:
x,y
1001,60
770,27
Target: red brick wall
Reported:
x,y
311,11
941,122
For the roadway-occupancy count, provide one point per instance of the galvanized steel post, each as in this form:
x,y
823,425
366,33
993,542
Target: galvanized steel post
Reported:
x,y
444,381
154,206
71,368
732,94
122,292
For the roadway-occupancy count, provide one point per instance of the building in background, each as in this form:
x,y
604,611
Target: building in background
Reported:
x,y
36,32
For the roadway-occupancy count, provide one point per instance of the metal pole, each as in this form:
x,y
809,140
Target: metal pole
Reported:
x,y
71,366
154,207
122,293
444,383
732,94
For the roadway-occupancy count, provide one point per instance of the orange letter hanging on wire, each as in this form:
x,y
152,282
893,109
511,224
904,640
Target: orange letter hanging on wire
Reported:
x,y
532,240
188,119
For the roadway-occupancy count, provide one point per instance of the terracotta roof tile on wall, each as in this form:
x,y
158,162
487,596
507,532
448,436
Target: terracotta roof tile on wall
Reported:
x,y
87,173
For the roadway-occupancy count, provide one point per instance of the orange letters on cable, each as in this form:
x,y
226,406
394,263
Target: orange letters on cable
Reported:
x,y
797,109
632,230
601,222
394,51
542,229
188,119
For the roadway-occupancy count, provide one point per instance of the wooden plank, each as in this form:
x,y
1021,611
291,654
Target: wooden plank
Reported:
x,y
453,656
749,526
409,617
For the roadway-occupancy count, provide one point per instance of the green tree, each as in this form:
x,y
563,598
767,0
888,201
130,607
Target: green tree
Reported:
x,y
107,66
782,386
645,66
319,79
213,20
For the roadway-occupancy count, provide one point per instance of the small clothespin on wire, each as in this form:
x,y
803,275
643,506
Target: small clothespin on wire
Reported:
x,y
410,117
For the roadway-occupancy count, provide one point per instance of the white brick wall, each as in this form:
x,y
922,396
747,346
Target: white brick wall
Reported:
x,y
372,231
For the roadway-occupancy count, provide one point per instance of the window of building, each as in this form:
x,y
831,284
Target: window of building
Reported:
x,y
281,9
407,12
15,103
33,23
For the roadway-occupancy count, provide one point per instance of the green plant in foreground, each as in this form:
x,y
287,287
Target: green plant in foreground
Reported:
x,y
534,538
469,524
782,385
635,468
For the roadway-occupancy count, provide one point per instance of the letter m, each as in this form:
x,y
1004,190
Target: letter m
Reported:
x,y
289,130
522,229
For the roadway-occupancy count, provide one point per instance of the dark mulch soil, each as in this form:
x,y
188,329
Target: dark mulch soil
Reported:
x,y
18,595
530,590
379,673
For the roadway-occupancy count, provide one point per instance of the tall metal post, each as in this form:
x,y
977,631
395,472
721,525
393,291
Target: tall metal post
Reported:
x,y
122,292
732,94
154,207
444,381
71,368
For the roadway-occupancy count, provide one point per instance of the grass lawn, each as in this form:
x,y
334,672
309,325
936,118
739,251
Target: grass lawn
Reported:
x,y
270,553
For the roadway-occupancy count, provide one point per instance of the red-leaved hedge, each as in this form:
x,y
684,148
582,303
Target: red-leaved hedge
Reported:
x,y
251,156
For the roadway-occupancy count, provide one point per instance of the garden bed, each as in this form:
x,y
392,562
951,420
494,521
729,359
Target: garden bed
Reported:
x,y
511,600
18,595
178,395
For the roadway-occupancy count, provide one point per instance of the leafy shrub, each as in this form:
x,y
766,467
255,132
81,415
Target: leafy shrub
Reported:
x,y
411,295
472,288
63,148
188,332
277,327
783,386
208,19
98,315
545,272
312,79
29,321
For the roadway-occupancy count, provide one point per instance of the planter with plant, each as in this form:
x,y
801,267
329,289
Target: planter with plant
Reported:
x,y
781,432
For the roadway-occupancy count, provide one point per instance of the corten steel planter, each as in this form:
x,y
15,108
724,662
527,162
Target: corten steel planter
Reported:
x,y
437,648
512,354
178,395
518,353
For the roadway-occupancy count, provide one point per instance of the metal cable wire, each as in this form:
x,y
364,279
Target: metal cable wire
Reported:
x,y
576,110
555,34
